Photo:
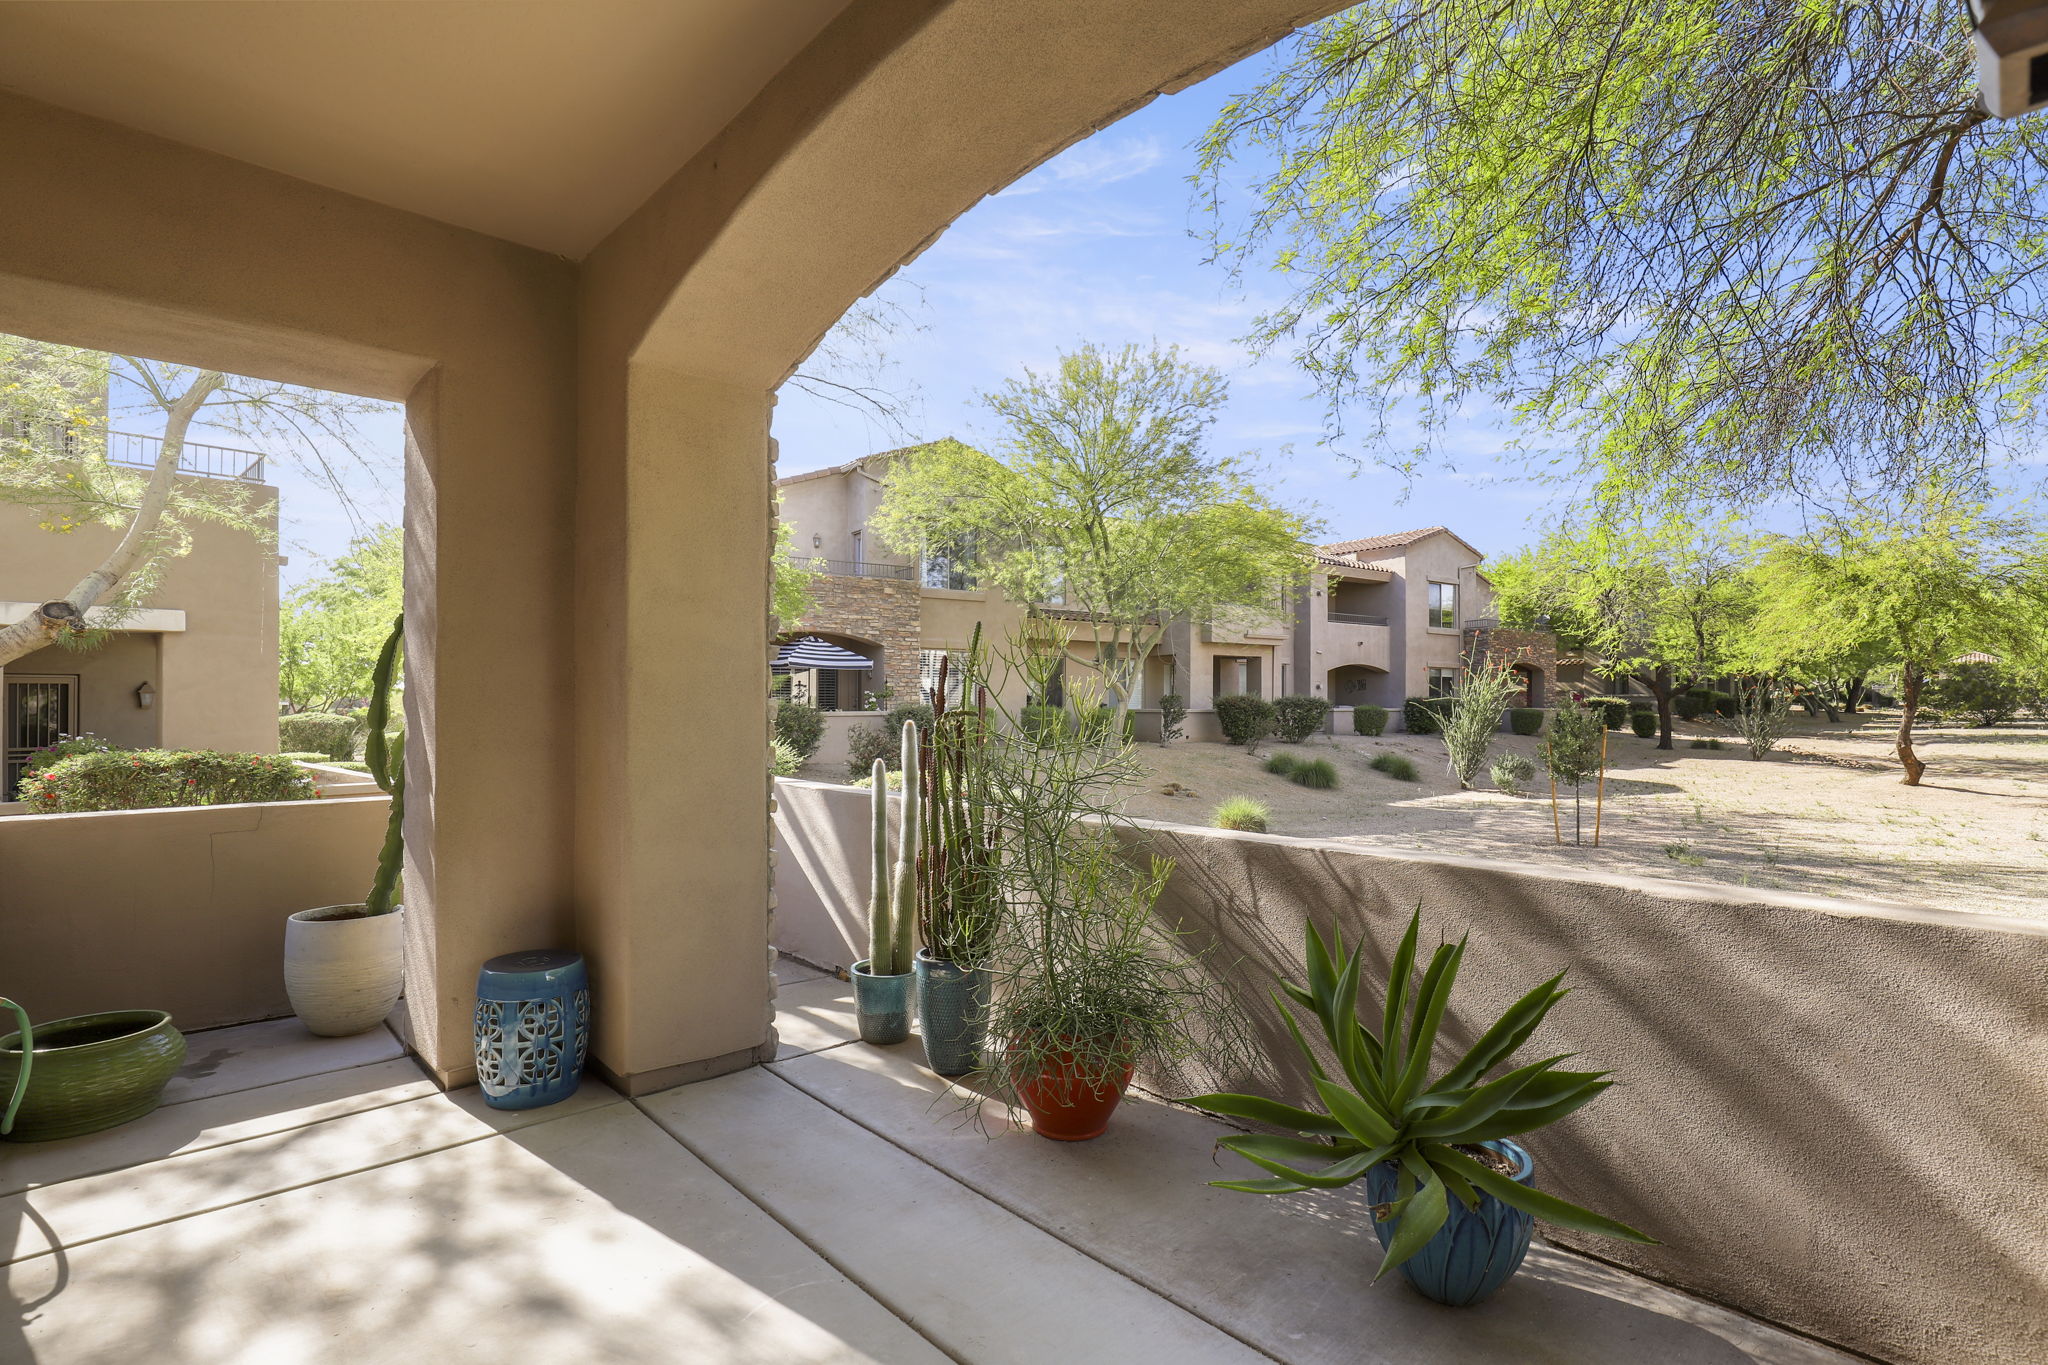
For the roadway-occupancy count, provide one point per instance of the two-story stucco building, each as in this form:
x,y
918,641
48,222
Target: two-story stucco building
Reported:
x,y
1378,619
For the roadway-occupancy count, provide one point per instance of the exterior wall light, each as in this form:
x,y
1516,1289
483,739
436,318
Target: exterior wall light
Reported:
x,y
817,540
145,696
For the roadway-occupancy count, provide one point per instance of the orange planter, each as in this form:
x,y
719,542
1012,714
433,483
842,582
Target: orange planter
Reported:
x,y
1064,1106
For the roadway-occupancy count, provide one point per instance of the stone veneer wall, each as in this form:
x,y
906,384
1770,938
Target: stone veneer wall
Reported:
x,y
1536,648
883,610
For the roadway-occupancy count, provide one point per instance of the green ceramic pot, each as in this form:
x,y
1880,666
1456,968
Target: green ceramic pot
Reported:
x,y
91,1071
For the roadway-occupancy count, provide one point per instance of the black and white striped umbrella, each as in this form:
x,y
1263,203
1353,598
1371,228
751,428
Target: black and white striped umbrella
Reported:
x,y
811,652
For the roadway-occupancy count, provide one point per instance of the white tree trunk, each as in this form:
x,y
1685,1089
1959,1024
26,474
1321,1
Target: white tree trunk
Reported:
x,y
52,619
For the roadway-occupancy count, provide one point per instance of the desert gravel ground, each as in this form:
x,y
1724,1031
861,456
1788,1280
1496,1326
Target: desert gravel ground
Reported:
x,y
1824,813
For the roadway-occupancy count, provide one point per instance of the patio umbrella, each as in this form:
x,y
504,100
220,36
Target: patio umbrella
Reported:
x,y
811,652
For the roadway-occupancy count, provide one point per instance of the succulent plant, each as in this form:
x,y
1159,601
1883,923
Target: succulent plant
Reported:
x,y
385,758
892,898
1383,1107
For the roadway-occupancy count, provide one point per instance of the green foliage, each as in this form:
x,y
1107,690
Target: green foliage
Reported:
x,y
1425,715
148,779
65,747
1381,1105
1571,751
1397,767
1095,723
1989,694
867,745
1704,744
1043,722
384,757
1244,719
1369,720
1644,723
331,627
301,756
960,892
892,782
1242,813
790,583
1317,773
1765,713
1525,720
1173,713
801,726
893,892
910,713
321,732
1647,224
1474,718
1103,498
1296,718
1512,772
783,761
1282,765
1613,711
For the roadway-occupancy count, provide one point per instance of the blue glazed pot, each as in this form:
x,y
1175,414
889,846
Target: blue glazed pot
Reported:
x,y
532,1028
1476,1250
952,1006
883,1004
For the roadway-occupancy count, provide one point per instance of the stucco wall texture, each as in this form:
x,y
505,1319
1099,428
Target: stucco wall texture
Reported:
x,y
1828,1111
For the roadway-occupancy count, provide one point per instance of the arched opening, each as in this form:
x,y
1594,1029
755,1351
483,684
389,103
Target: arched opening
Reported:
x,y
1362,685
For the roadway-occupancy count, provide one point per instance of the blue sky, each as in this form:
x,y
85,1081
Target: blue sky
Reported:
x,y
1099,245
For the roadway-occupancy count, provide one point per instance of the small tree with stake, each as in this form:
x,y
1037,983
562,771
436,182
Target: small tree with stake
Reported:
x,y
1574,750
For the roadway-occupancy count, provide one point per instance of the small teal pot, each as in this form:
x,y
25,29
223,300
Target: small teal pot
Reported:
x,y
883,1003
1476,1250
952,1010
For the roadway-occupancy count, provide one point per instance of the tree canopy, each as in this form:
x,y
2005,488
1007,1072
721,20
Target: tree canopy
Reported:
x,y
1104,500
1721,248
331,628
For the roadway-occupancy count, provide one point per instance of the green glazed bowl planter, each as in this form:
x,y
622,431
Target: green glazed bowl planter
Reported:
x,y
89,1072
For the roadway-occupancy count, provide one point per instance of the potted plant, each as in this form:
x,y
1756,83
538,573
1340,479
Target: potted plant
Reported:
x,y
882,979
1453,1201
959,870
79,1075
344,965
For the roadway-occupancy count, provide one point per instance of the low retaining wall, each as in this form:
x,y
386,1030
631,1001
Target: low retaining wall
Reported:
x,y
1829,1111
180,910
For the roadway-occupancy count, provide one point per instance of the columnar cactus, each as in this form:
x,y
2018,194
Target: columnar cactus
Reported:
x,y
892,899
386,761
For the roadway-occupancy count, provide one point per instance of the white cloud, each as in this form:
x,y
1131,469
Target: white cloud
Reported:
x,y
1093,163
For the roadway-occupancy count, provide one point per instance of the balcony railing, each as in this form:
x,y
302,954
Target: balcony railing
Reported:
x,y
1354,618
133,451
847,568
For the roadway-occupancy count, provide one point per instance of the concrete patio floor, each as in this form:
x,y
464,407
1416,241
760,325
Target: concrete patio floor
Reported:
x,y
318,1200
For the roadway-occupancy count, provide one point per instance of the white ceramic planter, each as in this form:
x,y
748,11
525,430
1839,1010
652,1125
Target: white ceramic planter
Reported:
x,y
343,975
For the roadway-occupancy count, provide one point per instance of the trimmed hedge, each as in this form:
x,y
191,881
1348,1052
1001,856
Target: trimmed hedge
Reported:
x,y
1245,719
1644,723
320,732
1369,720
1296,718
1425,715
1525,720
1613,710
152,779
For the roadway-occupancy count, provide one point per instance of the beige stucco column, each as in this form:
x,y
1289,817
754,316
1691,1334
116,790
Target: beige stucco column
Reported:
x,y
672,789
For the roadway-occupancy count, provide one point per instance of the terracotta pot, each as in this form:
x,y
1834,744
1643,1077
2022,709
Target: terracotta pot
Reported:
x,y
343,969
1064,1106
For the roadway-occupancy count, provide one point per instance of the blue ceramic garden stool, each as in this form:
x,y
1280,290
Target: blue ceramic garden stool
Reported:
x,y
532,1028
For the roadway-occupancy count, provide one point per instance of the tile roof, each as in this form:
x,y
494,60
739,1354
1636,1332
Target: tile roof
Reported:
x,y
1392,542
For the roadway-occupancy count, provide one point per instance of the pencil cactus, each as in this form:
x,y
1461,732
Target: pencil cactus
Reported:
x,y
385,757
892,898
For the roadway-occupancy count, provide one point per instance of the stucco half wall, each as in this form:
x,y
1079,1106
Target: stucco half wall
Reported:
x,y
1829,1111
178,910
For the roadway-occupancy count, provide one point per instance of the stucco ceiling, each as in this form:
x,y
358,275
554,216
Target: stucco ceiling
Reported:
x,y
542,121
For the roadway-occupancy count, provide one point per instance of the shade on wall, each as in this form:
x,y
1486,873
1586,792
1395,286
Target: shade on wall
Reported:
x,y
811,652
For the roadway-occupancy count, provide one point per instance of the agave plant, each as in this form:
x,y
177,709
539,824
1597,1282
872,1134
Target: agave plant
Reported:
x,y
1384,1106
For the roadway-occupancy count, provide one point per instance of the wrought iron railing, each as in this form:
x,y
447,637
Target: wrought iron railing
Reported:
x,y
846,568
133,451
1353,618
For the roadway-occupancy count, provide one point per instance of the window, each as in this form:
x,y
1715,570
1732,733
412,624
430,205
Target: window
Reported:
x,y
827,688
1443,606
928,661
1443,682
948,567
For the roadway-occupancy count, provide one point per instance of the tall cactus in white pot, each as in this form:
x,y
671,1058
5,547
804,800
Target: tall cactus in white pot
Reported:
x,y
882,980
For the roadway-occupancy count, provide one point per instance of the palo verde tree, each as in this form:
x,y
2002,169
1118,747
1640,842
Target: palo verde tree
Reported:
x,y
1918,585
331,628
1104,499
1662,600
53,460
1730,247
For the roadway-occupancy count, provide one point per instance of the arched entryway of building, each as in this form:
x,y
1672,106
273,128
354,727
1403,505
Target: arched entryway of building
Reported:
x,y
1534,691
801,671
1359,685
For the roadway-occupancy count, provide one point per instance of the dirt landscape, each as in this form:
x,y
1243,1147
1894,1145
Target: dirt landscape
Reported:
x,y
1824,813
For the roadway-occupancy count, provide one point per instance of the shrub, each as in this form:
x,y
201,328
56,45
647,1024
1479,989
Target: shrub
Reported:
x,y
322,732
1245,720
1571,752
801,726
1644,723
354,765
1691,705
65,747
1296,718
867,779
1765,716
1319,773
1095,724
1041,722
869,742
1369,720
1987,694
1425,715
1525,720
149,779
1242,813
1613,711
309,758
1395,766
783,761
1282,764
1173,710
1512,772
1705,744
914,711
1474,718
1723,703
